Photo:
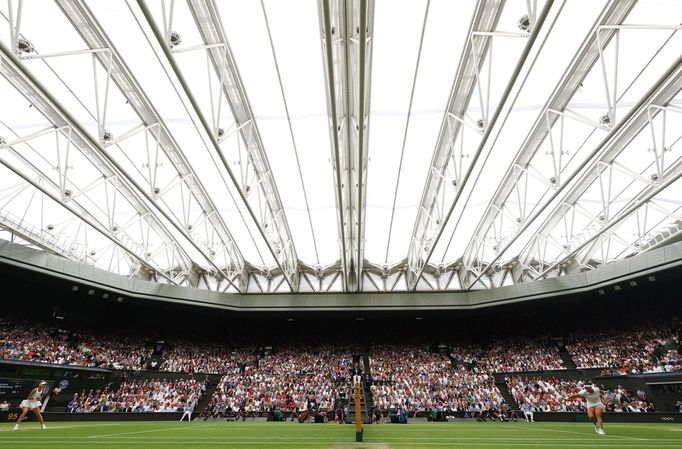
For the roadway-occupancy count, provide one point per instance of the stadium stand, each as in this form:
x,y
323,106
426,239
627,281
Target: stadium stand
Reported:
x,y
140,396
634,351
421,380
417,379
285,380
204,357
548,395
33,341
645,349
510,354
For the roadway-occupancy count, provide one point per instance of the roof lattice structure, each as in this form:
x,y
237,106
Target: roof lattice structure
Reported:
x,y
341,145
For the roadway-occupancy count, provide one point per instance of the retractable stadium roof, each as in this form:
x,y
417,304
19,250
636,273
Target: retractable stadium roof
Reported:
x,y
322,146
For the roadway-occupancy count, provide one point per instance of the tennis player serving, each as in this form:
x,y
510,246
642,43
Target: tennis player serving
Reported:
x,y
595,406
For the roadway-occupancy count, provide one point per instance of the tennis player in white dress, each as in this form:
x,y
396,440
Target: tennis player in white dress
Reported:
x,y
595,406
32,402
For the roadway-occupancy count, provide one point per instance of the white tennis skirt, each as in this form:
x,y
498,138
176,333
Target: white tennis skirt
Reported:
x,y
30,404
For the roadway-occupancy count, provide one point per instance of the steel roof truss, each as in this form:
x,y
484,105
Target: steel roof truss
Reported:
x,y
603,167
592,51
468,82
658,140
69,191
266,208
138,252
346,27
77,139
155,129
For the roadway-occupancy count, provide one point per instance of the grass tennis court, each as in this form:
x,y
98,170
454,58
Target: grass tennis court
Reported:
x,y
121,435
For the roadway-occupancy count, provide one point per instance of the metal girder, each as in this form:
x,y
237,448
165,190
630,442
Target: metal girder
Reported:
x,y
668,236
446,168
317,279
270,219
41,238
656,101
608,197
25,84
347,27
234,265
516,177
592,240
135,251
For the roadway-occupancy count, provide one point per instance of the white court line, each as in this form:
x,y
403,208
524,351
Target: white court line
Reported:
x,y
336,439
286,427
65,424
309,442
662,426
185,427
49,427
583,433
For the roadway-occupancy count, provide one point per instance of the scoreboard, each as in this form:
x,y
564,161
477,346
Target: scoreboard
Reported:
x,y
16,388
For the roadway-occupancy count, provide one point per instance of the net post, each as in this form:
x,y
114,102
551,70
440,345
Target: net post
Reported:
x,y
358,414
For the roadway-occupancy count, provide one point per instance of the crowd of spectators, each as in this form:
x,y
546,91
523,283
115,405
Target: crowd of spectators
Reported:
x,y
647,349
404,377
210,358
671,359
140,396
29,341
635,351
520,354
550,395
35,342
417,379
286,380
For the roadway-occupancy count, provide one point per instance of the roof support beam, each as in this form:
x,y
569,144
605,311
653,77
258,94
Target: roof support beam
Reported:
x,y
554,111
347,27
40,238
426,225
32,90
270,219
135,252
445,171
92,33
642,201
653,103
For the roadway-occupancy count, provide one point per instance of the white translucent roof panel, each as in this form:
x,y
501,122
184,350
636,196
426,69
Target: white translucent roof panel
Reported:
x,y
621,187
145,65
416,46
397,32
644,56
45,154
33,215
640,62
548,69
295,37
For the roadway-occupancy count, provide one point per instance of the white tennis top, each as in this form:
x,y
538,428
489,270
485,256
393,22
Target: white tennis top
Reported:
x,y
592,399
37,393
